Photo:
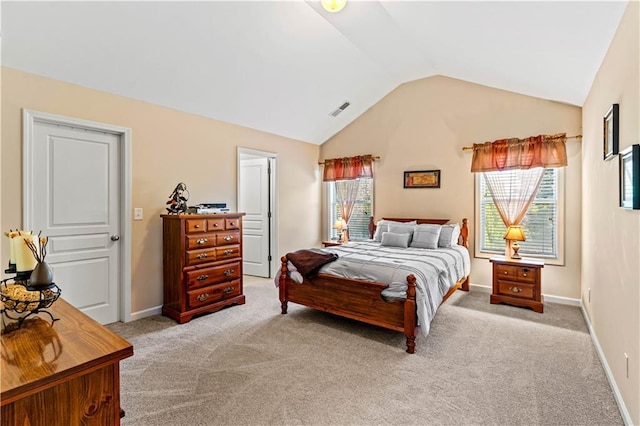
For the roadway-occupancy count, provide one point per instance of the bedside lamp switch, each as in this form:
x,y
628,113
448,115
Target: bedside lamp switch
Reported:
x,y
138,214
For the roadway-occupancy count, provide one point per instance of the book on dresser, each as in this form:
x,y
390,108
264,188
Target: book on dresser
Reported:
x,y
202,256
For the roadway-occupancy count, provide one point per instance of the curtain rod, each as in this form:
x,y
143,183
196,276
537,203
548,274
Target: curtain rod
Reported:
x,y
470,148
376,158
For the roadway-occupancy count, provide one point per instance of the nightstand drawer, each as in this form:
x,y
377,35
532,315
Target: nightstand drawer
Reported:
x,y
515,273
513,289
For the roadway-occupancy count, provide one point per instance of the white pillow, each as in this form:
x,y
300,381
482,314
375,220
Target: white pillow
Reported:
x,y
449,235
426,236
383,226
391,239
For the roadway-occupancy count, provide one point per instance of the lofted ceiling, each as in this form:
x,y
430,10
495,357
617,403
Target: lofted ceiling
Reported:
x,y
284,66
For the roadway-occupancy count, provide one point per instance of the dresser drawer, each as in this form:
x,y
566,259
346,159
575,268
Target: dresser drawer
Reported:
x,y
195,225
215,224
226,238
201,241
213,294
227,252
196,257
513,289
216,274
231,224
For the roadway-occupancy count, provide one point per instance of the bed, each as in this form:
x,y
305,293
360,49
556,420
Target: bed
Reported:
x,y
365,300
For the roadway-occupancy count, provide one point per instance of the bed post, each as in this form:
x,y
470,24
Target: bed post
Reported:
x,y
464,235
410,314
372,227
282,285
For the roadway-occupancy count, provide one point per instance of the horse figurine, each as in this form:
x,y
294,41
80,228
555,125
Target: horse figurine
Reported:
x,y
178,199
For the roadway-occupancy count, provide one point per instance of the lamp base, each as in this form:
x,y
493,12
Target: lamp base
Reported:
x,y
515,254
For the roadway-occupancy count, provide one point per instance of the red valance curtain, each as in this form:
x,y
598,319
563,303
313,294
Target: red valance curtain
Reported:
x,y
348,168
344,173
547,151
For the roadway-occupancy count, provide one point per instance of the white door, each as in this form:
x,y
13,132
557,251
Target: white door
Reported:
x,y
74,189
254,201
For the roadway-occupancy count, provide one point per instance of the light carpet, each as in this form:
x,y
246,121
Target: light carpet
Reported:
x,y
250,365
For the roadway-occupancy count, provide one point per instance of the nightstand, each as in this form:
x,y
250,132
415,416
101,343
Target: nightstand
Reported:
x,y
331,243
517,282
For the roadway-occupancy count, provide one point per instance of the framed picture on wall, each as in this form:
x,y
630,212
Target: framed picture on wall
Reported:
x,y
611,132
422,179
630,177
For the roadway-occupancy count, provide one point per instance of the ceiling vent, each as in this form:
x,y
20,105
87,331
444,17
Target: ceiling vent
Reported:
x,y
340,109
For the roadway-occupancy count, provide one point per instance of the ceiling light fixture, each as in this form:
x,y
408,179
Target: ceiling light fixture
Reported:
x,y
333,6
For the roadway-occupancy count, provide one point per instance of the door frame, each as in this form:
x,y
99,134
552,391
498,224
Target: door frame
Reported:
x,y
273,201
29,119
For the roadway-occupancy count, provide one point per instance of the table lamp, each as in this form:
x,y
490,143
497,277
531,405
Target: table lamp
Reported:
x,y
340,225
514,234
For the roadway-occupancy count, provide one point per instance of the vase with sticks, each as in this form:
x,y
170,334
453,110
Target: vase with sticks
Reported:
x,y
42,274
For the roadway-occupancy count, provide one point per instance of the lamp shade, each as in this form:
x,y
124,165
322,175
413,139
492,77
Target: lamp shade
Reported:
x,y
340,224
333,6
514,233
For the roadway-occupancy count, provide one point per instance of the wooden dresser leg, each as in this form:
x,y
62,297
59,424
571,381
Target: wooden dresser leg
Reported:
x,y
283,306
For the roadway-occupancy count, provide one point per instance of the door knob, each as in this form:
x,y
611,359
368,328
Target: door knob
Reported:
x,y
115,237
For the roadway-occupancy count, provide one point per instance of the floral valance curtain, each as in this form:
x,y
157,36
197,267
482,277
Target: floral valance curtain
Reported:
x,y
546,151
348,168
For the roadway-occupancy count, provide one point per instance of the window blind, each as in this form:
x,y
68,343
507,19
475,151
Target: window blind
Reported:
x,y
362,210
540,224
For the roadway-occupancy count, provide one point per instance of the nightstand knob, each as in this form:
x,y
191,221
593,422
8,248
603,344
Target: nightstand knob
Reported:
x,y
506,273
515,289
524,275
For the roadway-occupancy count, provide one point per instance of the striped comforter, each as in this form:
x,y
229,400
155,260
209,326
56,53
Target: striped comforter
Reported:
x,y
436,271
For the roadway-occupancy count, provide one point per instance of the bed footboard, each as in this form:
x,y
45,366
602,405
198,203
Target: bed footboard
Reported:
x,y
355,299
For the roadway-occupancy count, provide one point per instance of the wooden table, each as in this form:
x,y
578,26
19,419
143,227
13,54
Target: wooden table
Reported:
x,y
67,373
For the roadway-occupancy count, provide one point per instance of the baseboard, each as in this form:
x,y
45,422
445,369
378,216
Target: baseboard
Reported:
x,y
547,298
156,310
480,288
626,417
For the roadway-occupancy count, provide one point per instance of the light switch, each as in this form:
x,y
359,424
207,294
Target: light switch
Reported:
x,y
138,213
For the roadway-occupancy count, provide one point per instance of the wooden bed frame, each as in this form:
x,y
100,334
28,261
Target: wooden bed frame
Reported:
x,y
362,300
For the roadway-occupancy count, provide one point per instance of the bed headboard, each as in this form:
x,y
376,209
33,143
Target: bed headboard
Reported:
x,y
464,229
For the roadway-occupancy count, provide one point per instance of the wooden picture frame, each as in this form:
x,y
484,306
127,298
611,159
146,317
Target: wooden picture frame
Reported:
x,y
611,134
629,175
422,179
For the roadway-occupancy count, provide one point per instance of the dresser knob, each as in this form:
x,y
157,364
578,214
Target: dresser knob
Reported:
x,y
232,224
202,255
228,238
202,297
228,251
197,226
228,272
524,275
506,273
228,290
215,225
202,277
515,289
202,241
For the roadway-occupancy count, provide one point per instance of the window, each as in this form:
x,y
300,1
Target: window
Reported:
x,y
363,209
541,223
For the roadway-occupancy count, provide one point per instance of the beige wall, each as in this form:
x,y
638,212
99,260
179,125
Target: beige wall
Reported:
x,y
424,124
168,147
610,250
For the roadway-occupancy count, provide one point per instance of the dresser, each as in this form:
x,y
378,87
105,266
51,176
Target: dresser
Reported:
x,y
202,255
63,374
517,282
